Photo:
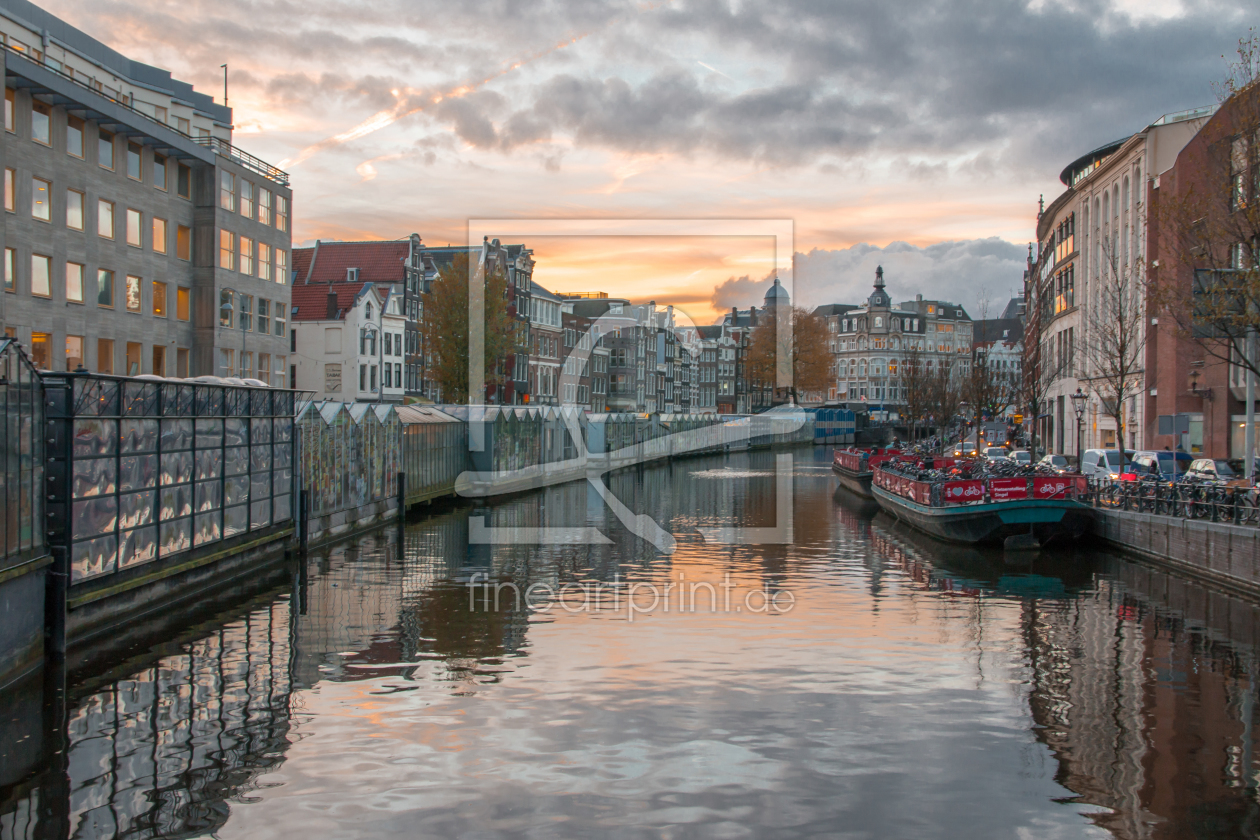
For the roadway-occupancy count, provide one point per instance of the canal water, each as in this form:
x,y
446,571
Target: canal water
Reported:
x,y
828,674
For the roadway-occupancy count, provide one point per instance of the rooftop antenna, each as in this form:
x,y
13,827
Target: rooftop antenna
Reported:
x,y
225,99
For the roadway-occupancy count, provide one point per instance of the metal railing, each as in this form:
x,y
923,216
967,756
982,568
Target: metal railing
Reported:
x,y
1183,500
216,144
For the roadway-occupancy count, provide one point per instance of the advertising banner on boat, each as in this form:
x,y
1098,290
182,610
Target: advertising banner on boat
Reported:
x,y
1054,487
1004,489
963,491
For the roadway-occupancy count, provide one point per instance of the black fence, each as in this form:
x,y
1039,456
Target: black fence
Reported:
x,y
1182,499
22,470
141,470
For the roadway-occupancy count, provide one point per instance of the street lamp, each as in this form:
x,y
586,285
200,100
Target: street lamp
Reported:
x,y
232,295
964,408
1078,405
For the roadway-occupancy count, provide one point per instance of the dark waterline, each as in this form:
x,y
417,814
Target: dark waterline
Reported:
x,y
903,689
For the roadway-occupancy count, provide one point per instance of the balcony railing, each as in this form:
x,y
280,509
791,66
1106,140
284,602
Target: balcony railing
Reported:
x,y
245,159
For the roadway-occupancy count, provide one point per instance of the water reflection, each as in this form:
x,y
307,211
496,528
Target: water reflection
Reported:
x,y
915,689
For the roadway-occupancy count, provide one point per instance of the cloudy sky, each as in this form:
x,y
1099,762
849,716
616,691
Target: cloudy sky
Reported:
x,y
916,134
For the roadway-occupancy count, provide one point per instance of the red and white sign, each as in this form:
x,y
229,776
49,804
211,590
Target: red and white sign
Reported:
x,y
1003,489
1053,488
963,491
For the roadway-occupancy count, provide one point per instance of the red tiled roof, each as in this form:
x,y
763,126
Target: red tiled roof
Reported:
x,y
302,263
310,302
378,262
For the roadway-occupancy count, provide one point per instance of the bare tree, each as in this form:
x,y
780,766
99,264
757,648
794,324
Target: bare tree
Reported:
x,y
1041,368
1210,226
916,384
1115,330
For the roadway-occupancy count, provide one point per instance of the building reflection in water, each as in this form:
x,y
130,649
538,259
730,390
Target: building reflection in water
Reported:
x,y
1140,684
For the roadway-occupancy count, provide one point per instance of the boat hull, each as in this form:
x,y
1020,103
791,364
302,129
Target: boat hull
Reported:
x,y
1048,519
857,483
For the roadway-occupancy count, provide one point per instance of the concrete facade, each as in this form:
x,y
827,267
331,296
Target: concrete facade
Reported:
x,y
135,237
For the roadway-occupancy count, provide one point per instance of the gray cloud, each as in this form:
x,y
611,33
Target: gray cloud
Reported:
x,y
960,272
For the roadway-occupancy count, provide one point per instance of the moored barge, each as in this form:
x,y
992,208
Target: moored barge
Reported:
x,y
980,510
853,468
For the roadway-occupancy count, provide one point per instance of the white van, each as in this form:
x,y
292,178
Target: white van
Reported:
x,y
1103,463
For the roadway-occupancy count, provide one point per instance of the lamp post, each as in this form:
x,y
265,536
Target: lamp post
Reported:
x,y
1078,406
963,408
230,308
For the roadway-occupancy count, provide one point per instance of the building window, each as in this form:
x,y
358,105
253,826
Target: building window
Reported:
x,y
104,355
74,210
278,381
134,348
159,360
159,235
264,206
247,309
227,249
282,266
74,352
280,320
247,199
227,190
133,161
362,377
181,362
227,362
247,365
159,172
159,299
10,270
41,350
183,242
74,282
41,120
74,137
183,126
264,367
105,287
181,303
41,203
247,255
10,100
105,150
282,213
264,317
225,309
132,293
10,190
264,261
134,238
183,181
105,218
41,275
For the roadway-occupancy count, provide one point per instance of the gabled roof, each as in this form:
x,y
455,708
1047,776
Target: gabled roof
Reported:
x,y
310,302
378,261
712,331
539,292
301,264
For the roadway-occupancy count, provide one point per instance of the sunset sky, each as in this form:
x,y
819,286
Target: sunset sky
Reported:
x,y
918,135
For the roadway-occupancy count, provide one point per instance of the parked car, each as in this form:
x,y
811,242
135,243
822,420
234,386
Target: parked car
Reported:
x,y
1239,466
1215,470
1103,463
1171,466
1058,463
1021,456
995,453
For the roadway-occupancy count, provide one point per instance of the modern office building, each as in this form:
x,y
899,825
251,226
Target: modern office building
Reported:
x,y
137,239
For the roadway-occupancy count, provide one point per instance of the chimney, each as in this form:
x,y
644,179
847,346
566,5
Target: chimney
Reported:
x,y
919,298
332,305
752,316
734,316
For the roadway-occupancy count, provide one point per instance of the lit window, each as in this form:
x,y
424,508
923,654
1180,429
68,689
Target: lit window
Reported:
x,y
159,299
264,261
10,191
282,266
159,235
181,303
10,98
227,249
74,352
10,270
41,205
246,255
264,206
282,213
247,199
